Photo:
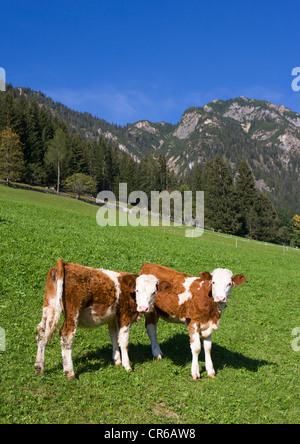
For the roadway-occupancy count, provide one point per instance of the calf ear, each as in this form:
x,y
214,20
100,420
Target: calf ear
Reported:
x,y
129,280
238,279
165,286
205,276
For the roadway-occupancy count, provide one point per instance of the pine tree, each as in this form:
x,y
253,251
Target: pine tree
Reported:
x,y
77,156
34,150
129,174
162,173
262,220
20,124
10,110
11,156
147,175
172,181
197,179
110,168
245,196
218,187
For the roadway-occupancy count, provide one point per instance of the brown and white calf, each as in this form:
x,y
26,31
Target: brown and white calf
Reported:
x,y
197,302
90,298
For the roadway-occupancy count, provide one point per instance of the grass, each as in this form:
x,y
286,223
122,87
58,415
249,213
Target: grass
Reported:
x,y
257,370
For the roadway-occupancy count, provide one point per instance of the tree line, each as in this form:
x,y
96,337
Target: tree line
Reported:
x,y
38,148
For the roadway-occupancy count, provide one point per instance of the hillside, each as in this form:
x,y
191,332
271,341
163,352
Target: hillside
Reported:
x,y
264,134
252,350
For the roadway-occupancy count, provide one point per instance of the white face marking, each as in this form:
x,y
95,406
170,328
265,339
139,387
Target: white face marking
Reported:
x,y
113,275
183,297
146,288
221,284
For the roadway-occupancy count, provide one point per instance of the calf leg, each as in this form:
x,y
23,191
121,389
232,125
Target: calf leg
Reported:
x,y
113,333
67,334
43,337
42,341
124,343
207,343
151,326
196,348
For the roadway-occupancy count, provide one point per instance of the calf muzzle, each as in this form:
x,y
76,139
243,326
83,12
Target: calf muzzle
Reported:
x,y
221,299
143,309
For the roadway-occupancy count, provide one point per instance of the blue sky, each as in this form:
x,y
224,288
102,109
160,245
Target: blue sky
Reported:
x,y
126,61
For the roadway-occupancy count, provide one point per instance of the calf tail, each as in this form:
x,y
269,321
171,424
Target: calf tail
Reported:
x,y
60,278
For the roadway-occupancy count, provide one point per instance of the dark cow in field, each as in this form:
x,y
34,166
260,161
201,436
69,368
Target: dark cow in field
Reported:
x,y
197,302
90,298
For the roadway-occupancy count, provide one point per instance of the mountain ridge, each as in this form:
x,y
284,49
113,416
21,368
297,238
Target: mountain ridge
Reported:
x,y
266,135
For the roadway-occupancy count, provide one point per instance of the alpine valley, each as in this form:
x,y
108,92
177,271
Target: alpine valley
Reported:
x,y
266,135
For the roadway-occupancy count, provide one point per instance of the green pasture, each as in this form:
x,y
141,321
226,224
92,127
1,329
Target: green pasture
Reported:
x,y
257,368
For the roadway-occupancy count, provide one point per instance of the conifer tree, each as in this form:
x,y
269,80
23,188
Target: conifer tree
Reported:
x,y
77,156
197,179
11,156
162,173
129,176
245,195
218,187
147,176
34,147
262,220
20,124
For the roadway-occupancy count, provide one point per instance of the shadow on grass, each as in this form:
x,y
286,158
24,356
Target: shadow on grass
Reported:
x,y
177,349
3,221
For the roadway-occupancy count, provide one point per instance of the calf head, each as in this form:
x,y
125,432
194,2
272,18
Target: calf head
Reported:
x,y
222,281
144,289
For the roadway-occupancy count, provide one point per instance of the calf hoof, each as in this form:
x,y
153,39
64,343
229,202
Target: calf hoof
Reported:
x,y
212,375
70,376
159,357
39,371
196,377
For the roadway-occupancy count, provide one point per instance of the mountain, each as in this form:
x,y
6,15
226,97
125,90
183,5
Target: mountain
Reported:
x,y
264,134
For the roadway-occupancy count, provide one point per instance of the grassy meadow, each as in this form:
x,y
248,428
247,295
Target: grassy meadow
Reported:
x,y
257,370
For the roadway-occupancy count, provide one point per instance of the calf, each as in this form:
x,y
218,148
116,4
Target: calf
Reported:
x,y
90,298
196,302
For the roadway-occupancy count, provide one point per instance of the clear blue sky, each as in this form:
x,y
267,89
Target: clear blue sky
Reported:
x,y
131,60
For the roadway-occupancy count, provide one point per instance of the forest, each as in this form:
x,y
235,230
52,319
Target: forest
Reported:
x,y
39,148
